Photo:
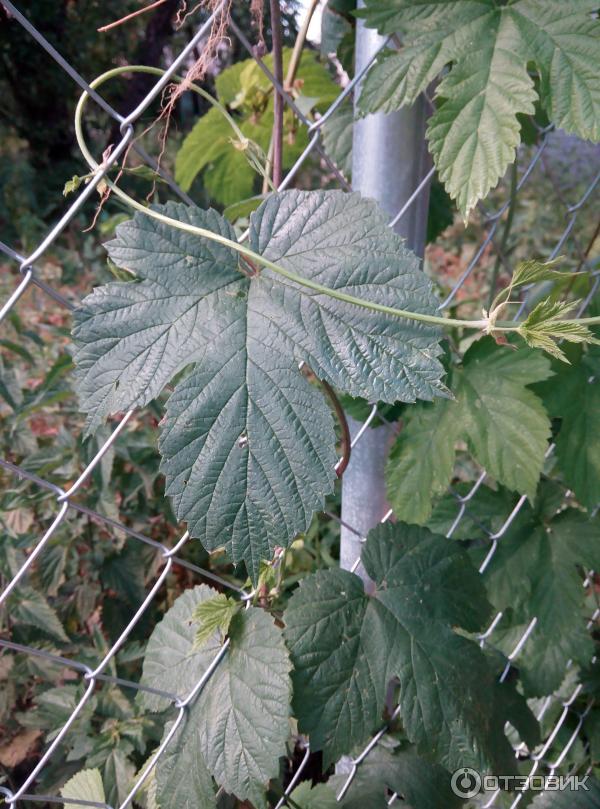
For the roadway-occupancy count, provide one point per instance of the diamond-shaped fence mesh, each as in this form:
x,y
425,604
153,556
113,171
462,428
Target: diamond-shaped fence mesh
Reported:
x,y
569,712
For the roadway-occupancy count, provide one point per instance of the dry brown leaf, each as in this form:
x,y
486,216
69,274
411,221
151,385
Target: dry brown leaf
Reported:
x,y
19,747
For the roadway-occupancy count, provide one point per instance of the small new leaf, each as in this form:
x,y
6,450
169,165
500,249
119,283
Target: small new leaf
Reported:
x,y
214,615
545,325
73,184
534,271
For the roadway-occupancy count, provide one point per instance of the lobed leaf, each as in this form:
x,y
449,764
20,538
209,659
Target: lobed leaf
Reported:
x,y
545,325
424,586
489,46
248,444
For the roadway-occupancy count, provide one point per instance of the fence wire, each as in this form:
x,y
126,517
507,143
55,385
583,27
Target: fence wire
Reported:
x,y
170,557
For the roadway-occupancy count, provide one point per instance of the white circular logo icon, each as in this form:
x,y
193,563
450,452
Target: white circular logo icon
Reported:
x,y
466,783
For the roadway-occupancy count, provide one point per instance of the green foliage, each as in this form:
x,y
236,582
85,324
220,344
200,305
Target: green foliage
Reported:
x,y
574,398
214,615
238,725
503,423
581,799
245,425
337,141
249,445
320,796
535,572
77,598
337,137
337,31
423,783
182,777
424,587
474,132
545,324
85,785
210,146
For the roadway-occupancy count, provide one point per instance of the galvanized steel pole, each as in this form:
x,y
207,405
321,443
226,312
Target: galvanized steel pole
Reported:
x,y
389,160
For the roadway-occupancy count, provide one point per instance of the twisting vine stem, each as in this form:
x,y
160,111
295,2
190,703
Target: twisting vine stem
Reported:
x,y
486,324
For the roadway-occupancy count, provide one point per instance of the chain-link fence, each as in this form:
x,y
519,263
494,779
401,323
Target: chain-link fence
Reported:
x,y
169,556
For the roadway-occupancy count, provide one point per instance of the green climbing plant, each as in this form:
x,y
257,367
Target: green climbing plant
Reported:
x,y
252,334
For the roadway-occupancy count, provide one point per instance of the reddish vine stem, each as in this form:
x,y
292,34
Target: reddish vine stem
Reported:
x,y
346,440
341,417
277,99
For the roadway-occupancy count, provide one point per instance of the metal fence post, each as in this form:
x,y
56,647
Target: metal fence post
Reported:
x,y
389,160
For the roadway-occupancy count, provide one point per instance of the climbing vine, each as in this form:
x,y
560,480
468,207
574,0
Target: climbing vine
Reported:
x,y
319,290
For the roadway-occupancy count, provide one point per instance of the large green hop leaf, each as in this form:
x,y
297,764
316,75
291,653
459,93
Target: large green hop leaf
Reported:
x,y
239,723
474,132
346,646
502,422
535,572
248,444
228,177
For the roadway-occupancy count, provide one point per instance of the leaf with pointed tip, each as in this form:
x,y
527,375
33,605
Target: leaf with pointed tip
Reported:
x,y
31,608
421,461
424,586
240,718
533,271
474,132
248,444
